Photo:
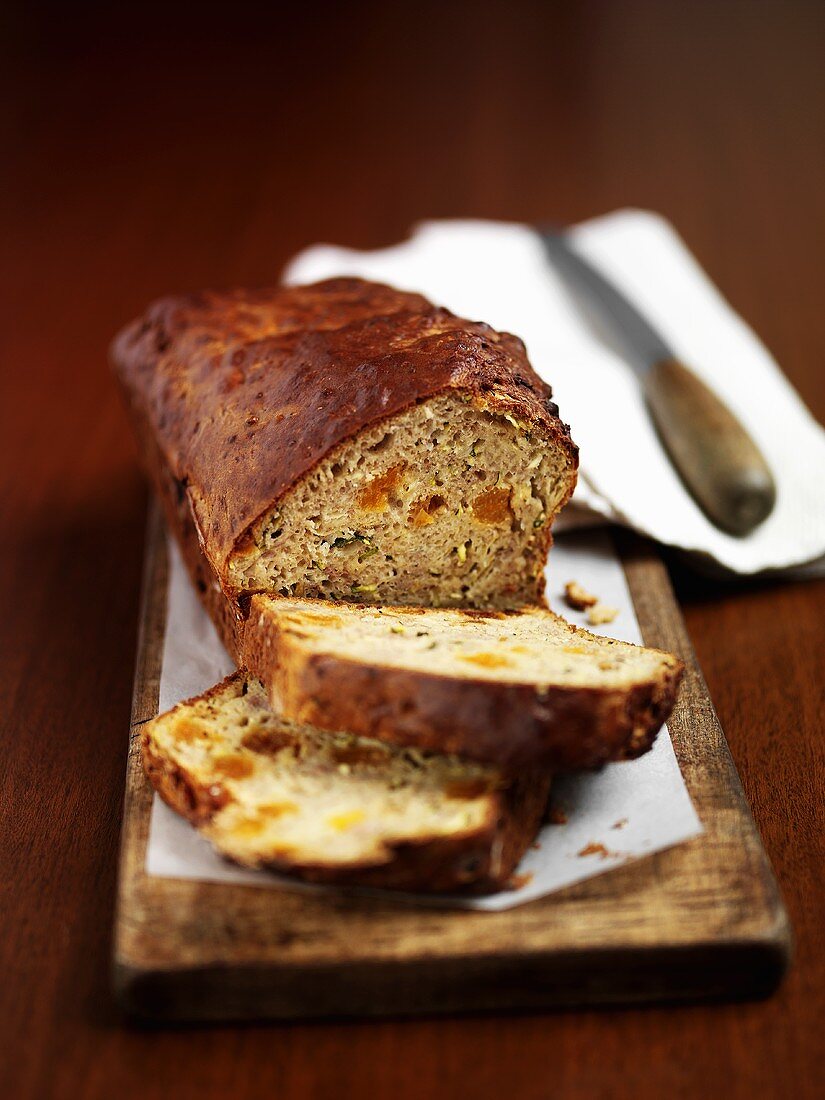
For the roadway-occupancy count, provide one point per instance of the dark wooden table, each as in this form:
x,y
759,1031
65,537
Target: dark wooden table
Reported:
x,y
156,150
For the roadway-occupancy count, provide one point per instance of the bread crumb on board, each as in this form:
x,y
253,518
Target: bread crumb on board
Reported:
x,y
601,613
580,599
577,597
519,880
556,816
595,848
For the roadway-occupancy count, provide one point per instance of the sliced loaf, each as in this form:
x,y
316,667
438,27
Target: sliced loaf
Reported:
x,y
510,688
345,440
331,807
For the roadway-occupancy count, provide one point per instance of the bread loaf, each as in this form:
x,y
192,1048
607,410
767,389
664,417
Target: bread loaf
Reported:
x,y
345,441
330,807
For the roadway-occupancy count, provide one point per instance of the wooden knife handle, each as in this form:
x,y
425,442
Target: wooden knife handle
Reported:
x,y
718,461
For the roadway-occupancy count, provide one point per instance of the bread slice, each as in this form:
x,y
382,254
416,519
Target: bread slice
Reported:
x,y
511,688
331,807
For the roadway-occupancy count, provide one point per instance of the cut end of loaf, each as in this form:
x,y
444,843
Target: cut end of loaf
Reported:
x,y
447,504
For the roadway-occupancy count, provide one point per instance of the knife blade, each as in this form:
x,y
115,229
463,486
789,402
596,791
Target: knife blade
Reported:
x,y
719,463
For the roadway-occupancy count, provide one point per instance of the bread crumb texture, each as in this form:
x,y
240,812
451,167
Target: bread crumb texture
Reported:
x,y
532,646
447,504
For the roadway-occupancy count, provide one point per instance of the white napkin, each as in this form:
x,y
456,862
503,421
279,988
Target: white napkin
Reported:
x,y
497,272
621,813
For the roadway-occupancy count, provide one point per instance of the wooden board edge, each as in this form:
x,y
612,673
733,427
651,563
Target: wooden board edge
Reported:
x,y
663,626
740,971
137,798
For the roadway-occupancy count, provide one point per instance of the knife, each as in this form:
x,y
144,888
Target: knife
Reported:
x,y
719,463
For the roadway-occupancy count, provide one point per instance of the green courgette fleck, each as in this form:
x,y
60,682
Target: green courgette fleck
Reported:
x,y
348,540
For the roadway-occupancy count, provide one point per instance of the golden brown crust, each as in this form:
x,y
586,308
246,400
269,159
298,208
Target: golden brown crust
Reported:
x,y
477,861
179,789
511,725
245,392
224,613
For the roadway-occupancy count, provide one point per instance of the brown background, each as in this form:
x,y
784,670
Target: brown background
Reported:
x,y
157,151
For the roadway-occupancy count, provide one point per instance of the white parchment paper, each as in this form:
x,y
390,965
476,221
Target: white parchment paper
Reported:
x,y
624,812
498,272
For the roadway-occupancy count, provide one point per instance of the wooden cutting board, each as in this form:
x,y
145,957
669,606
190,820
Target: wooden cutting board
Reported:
x,y
701,920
